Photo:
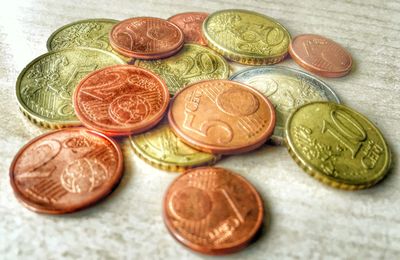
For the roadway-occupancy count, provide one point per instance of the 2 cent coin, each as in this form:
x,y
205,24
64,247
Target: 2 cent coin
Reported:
x,y
146,38
121,100
320,55
212,210
66,170
222,116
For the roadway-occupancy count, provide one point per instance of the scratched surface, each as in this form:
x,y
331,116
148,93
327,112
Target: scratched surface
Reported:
x,y
307,220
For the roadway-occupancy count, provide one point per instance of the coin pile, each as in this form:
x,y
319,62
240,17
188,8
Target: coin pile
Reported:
x,y
117,78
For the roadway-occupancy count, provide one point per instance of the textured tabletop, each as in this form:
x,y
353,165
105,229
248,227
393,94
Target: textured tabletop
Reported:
x,y
306,219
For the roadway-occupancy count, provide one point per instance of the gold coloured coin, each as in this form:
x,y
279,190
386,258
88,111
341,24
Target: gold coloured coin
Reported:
x,y
337,145
246,37
44,87
161,148
191,64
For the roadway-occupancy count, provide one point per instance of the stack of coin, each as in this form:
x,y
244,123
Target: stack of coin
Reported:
x,y
84,79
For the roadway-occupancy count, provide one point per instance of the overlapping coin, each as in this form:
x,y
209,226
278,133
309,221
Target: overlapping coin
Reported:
x,y
191,64
191,25
146,38
121,100
222,117
337,145
212,210
66,170
287,89
44,88
246,37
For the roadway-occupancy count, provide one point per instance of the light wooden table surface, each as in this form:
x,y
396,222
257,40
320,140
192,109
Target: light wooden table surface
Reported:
x,y
308,220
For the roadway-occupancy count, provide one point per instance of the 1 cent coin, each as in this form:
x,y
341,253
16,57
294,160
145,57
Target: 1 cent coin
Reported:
x,y
66,170
190,23
121,100
222,116
146,38
212,210
320,55
337,145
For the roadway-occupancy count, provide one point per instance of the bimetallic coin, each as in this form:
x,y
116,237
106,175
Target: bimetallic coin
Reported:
x,y
146,38
190,23
212,210
221,117
337,145
191,64
44,88
320,55
66,170
246,37
287,89
121,100
161,148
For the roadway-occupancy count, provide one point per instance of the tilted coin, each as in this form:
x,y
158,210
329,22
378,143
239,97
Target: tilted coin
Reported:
x,y
191,64
146,38
84,33
66,170
246,37
222,117
190,23
121,100
44,87
287,89
320,55
337,145
163,149
212,210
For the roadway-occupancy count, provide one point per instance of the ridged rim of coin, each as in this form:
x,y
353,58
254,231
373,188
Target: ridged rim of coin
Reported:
x,y
231,247
219,149
42,207
127,130
180,57
300,60
157,162
250,59
49,40
329,180
147,55
40,120
178,16
279,138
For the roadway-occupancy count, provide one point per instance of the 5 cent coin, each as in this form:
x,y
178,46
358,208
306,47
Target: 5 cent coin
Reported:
x,y
66,170
190,23
212,211
222,116
121,100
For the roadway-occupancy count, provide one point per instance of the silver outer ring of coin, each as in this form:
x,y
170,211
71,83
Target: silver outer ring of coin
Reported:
x,y
244,75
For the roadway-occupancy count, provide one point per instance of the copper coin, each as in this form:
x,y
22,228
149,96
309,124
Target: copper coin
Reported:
x,y
222,116
146,38
212,210
320,55
121,100
190,24
66,170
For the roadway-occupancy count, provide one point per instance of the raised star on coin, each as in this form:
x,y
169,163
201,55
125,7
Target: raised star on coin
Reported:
x,y
121,100
337,145
212,210
44,88
222,117
287,89
65,170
